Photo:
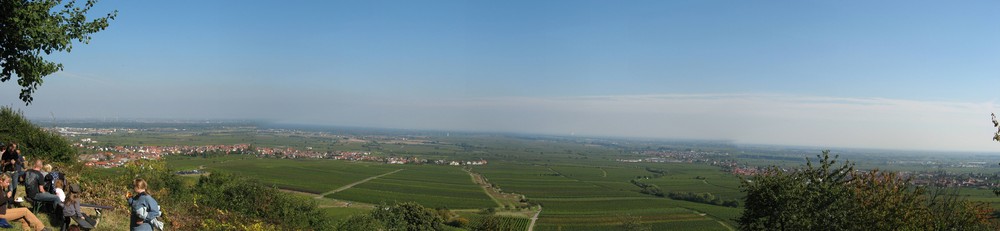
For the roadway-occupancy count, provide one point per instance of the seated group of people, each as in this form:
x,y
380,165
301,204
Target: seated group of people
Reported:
x,y
42,185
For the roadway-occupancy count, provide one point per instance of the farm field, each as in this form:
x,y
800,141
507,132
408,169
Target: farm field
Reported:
x,y
313,176
430,185
515,223
695,178
606,211
538,181
579,197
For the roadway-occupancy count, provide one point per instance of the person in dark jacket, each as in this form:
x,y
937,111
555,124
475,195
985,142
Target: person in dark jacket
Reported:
x,y
12,163
27,218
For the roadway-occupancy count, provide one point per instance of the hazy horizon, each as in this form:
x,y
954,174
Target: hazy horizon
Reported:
x,y
901,75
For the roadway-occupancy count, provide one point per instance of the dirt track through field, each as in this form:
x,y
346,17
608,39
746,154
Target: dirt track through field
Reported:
x,y
531,227
356,183
479,180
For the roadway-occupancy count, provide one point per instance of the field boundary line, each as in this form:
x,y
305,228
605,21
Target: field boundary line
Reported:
x,y
345,187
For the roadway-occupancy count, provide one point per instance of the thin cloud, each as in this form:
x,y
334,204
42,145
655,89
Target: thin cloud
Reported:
x,y
751,118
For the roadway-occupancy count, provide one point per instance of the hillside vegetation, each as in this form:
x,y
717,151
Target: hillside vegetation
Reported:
x,y
828,196
34,142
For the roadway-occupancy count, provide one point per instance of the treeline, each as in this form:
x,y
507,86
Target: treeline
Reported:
x,y
650,189
706,198
659,172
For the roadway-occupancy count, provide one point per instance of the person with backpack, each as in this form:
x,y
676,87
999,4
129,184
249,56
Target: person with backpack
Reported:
x,y
50,177
145,209
27,218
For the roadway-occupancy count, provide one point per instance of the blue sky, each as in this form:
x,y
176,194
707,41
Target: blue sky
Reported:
x,y
555,67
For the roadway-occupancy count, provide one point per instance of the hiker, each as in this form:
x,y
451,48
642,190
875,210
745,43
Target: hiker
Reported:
x,y
11,214
145,210
34,185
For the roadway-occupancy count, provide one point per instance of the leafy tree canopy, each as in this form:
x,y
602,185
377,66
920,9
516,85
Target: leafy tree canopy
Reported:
x,y
29,28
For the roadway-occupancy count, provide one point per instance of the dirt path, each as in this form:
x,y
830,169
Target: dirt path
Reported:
x,y
478,179
605,172
531,227
356,183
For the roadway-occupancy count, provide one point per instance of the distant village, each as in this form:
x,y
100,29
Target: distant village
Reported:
x,y
114,156
689,156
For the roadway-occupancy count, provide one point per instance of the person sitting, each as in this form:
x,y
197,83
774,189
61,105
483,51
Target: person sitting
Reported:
x,y
34,186
27,218
13,164
58,189
9,158
71,211
51,177
46,169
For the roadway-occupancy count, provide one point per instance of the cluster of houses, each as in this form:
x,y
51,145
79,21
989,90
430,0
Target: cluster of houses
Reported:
x,y
111,159
943,179
744,171
689,156
415,160
114,156
354,156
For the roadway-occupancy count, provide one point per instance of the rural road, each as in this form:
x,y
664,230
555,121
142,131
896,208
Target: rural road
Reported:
x,y
356,183
531,227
